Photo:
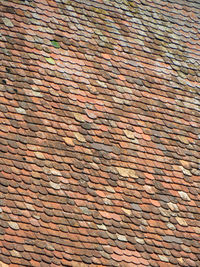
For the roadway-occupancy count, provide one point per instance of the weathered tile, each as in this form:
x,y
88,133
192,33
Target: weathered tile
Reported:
x,y
99,135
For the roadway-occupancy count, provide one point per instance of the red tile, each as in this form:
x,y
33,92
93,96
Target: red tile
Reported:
x,y
67,197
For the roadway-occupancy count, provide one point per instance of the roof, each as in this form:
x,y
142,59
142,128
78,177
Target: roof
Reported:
x,y
99,136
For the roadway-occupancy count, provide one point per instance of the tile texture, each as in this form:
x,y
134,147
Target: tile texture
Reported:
x,y
100,133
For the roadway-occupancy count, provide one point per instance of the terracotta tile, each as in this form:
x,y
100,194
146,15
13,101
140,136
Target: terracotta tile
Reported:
x,y
107,136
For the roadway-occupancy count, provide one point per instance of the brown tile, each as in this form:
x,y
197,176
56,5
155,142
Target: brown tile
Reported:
x,y
107,136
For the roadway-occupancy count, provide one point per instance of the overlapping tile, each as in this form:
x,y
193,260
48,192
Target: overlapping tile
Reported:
x,y
99,110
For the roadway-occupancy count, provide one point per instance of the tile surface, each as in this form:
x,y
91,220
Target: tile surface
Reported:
x,y
100,133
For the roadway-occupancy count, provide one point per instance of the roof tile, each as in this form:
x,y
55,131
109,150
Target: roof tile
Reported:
x,y
99,142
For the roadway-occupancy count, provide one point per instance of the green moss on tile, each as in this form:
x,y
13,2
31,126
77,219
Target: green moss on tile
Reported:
x,y
50,60
55,43
99,10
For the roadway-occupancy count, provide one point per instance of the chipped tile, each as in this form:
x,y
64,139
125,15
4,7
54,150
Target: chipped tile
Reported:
x,y
128,212
129,134
139,240
54,185
21,110
126,172
68,141
7,22
184,196
181,221
163,258
173,206
79,117
39,155
102,227
14,225
121,238
80,137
